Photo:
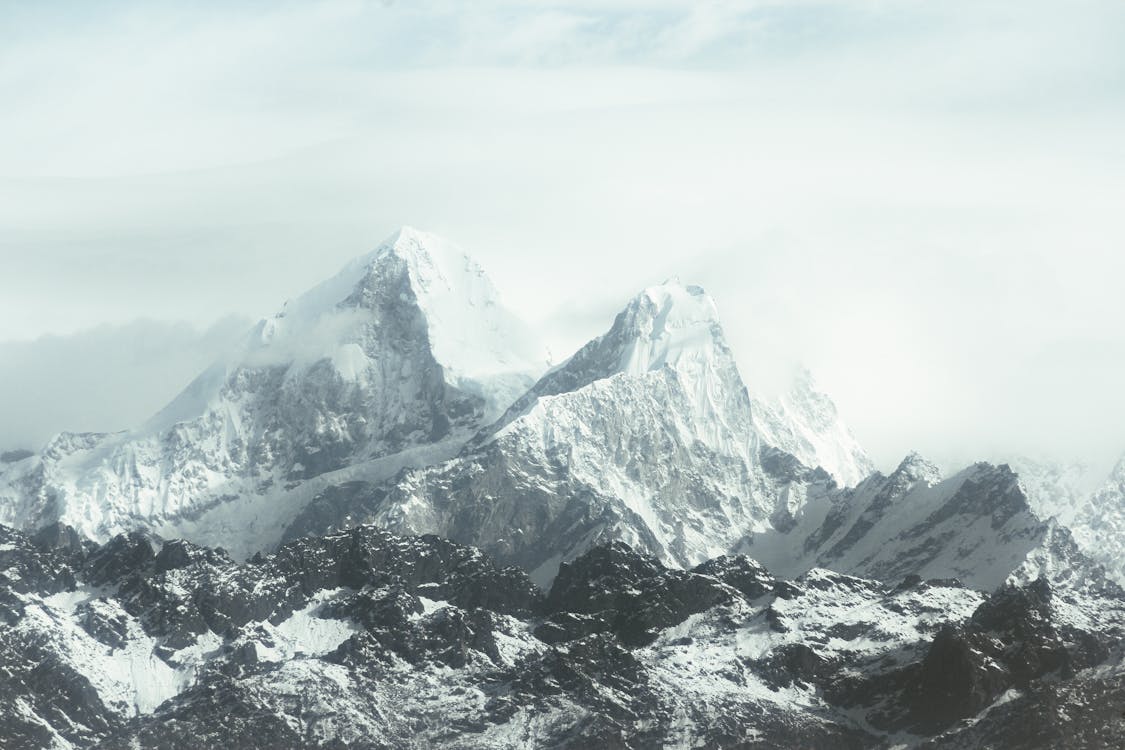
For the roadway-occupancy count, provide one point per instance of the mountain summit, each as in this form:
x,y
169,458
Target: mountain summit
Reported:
x,y
424,289
667,327
396,360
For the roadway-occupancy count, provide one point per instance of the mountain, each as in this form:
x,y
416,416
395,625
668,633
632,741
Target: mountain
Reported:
x,y
368,640
1055,489
406,359
1099,523
1093,513
646,435
977,526
397,360
396,530
805,423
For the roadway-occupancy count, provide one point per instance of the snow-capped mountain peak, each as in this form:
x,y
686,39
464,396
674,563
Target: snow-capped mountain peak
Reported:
x,y
646,435
916,468
819,435
1118,473
469,331
671,324
396,360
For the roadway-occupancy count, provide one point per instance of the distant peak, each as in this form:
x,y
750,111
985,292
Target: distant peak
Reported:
x,y
915,467
420,247
471,332
672,304
912,458
408,238
665,323
804,379
1118,472
673,287
433,264
405,232
477,340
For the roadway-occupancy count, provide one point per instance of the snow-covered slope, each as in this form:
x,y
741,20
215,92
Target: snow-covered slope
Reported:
x,y
668,328
806,423
1099,523
1093,512
396,360
976,526
646,435
1055,489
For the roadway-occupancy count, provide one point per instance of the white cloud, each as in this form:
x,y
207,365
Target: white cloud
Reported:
x,y
918,198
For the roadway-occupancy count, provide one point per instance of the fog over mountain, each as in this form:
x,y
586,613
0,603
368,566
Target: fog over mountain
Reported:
x,y
111,377
919,201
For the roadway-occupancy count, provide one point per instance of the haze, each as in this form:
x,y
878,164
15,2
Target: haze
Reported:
x,y
920,201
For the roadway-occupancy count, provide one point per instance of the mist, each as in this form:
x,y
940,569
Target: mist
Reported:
x,y
918,201
104,379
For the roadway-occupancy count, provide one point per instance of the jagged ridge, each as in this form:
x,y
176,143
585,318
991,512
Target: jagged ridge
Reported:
x,y
365,639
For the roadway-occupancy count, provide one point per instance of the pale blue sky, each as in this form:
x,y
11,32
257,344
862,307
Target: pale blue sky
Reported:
x,y
919,199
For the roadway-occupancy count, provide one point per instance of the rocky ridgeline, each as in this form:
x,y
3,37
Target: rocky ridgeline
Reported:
x,y
367,639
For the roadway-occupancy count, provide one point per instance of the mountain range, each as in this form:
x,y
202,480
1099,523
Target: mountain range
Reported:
x,y
387,521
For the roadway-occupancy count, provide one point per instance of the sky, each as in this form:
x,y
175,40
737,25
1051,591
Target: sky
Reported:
x,y
918,200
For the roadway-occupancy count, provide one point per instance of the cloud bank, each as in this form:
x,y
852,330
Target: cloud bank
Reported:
x,y
103,379
920,200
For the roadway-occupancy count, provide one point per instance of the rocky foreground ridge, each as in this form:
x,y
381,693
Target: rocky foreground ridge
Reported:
x,y
370,640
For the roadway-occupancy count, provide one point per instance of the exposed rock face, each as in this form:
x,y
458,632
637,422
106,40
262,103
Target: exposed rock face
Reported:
x,y
366,639
613,589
